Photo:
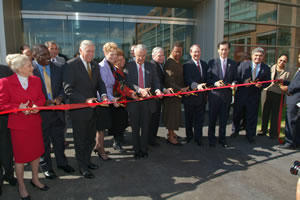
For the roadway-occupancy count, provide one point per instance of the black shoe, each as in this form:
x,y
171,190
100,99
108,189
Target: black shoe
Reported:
x,y
198,142
260,133
12,181
0,190
212,144
87,173
50,174
234,135
144,155
24,198
188,140
137,155
118,147
67,168
224,144
45,188
250,140
287,146
154,144
93,166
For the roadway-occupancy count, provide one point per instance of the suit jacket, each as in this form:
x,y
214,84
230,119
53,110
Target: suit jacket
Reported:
x,y
5,71
245,72
215,74
151,79
294,90
193,77
12,94
79,87
59,61
160,74
57,91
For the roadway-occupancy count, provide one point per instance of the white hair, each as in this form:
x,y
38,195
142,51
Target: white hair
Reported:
x,y
86,43
16,61
258,49
140,47
156,50
195,45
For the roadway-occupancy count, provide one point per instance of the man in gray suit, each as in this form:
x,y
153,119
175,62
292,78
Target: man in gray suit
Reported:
x,y
81,82
140,76
53,49
53,121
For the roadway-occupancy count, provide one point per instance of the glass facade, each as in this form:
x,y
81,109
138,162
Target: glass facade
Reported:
x,y
273,26
68,23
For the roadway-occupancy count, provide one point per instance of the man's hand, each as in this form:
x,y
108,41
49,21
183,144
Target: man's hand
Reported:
x,y
201,86
144,92
115,100
167,90
91,100
258,85
247,81
185,89
57,100
34,111
104,98
134,96
284,88
49,102
24,105
219,83
159,93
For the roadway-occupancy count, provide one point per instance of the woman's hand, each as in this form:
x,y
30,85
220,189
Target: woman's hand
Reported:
x,y
24,105
34,111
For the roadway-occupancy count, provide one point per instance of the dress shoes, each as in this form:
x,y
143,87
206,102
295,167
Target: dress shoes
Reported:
x,y
175,144
287,146
118,147
12,181
198,142
45,188
212,144
250,140
138,155
50,174
24,198
154,144
144,155
0,189
87,173
93,166
188,140
224,144
67,168
234,135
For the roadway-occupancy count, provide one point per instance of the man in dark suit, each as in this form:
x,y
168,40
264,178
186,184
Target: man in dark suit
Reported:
x,y
140,76
248,97
6,154
221,71
81,82
292,121
53,121
195,74
158,58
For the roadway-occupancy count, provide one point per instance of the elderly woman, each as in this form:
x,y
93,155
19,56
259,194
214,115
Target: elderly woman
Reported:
x,y
120,90
273,97
22,90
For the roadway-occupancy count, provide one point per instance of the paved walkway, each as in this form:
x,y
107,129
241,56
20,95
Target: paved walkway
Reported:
x,y
244,171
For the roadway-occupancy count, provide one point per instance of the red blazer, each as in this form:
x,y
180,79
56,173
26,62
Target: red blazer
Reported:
x,y
12,94
120,89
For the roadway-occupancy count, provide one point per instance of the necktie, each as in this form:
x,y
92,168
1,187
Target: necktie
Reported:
x,y
141,77
224,68
89,70
47,81
198,66
254,72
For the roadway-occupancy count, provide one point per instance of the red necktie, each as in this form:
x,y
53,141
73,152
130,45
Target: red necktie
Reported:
x,y
198,65
141,77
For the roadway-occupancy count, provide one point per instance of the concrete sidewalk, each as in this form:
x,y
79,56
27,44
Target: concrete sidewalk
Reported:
x,y
244,171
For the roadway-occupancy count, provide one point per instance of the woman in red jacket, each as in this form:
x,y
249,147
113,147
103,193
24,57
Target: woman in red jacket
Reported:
x,y
22,90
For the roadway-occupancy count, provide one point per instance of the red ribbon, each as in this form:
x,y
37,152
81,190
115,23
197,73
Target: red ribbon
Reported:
x,y
85,105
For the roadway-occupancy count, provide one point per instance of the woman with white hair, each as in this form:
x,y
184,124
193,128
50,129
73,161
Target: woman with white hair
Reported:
x,y
23,90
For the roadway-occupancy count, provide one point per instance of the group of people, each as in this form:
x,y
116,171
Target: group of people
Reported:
x,y
40,77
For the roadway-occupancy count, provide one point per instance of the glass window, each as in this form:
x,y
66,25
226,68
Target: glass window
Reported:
x,y
267,13
285,14
298,16
242,10
226,9
284,36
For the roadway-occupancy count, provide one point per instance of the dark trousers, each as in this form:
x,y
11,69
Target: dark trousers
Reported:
x,y
53,133
155,119
6,153
119,122
271,108
251,108
194,119
292,125
139,118
84,132
217,108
